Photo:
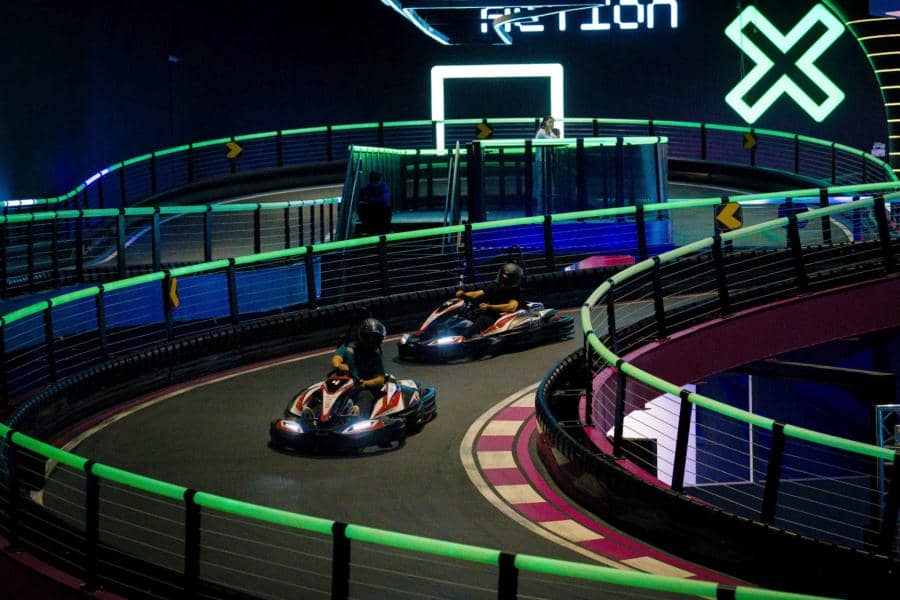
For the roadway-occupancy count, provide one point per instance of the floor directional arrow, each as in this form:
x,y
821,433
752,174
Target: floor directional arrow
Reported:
x,y
234,149
729,216
483,131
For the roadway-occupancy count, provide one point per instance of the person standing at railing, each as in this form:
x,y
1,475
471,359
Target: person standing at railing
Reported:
x,y
542,165
374,205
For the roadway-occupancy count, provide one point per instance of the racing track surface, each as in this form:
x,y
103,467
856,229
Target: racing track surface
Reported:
x,y
214,438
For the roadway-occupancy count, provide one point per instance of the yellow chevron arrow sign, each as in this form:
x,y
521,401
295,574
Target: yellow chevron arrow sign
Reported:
x,y
483,131
728,217
749,141
234,149
174,300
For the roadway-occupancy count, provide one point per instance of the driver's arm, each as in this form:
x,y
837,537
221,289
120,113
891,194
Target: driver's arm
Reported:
x,y
338,364
473,295
509,307
374,382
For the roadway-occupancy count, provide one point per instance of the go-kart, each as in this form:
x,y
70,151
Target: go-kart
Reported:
x,y
318,418
442,337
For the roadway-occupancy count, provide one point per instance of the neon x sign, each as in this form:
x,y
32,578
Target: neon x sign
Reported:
x,y
806,63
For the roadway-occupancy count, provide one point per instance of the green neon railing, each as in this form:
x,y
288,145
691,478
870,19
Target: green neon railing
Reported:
x,y
449,549
879,164
611,358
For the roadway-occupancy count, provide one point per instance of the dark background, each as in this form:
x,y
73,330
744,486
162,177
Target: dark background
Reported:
x,y
89,83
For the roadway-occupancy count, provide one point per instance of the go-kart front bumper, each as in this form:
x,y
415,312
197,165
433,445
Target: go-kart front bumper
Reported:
x,y
309,436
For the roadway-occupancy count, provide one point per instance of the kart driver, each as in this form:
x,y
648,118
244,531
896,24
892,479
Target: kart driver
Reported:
x,y
362,359
499,297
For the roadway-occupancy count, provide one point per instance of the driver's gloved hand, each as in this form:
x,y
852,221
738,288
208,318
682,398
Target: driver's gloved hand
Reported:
x,y
353,411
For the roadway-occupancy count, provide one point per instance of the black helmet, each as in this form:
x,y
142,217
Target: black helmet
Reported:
x,y
510,275
371,333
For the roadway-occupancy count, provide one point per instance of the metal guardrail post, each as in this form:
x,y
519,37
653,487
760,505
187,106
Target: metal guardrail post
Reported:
x,y
301,233
702,141
797,254
651,127
279,149
889,517
340,562
620,172
91,526
321,223
312,225
884,235
796,153
311,300
475,182
580,176
233,307
549,255
383,265
257,229
826,220
79,247
641,231
773,474
120,243
507,577
167,306
529,178
595,127
381,134
123,193
286,216
191,544
658,304
469,253
501,177
331,220
207,233
100,310
721,278
681,442
48,341
588,382
611,316
833,163
155,248
619,423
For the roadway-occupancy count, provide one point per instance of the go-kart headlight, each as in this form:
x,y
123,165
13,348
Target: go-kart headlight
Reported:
x,y
290,426
362,426
404,338
447,339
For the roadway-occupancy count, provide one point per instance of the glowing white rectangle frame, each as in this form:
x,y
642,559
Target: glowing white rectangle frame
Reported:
x,y
439,73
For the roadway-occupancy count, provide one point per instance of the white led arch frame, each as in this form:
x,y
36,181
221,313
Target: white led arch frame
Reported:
x,y
441,73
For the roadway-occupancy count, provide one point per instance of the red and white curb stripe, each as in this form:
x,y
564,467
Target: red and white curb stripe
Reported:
x,y
495,454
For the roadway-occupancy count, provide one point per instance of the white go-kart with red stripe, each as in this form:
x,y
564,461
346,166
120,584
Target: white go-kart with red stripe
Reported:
x,y
321,417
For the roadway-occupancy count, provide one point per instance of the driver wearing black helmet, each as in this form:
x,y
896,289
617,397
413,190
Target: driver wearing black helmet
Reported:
x,y
501,296
362,359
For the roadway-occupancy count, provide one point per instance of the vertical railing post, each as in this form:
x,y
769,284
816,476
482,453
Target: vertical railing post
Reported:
x,y
826,220
773,475
123,193
702,141
797,254
79,247
279,149
580,176
191,544
416,175
595,127
429,182
507,577
884,235
49,341
257,229
619,422
381,134
658,305
383,265
321,223
312,300
889,517
91,526
651,128
588,381
286,216
475,182
549,254
233,307
833,164
721,278
796,153
300,230
208,233
155,247
501,177
529,178
166,285
100,310
681,442
620,171
611,316
641,230
312,224
469,253
340,562
120,243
